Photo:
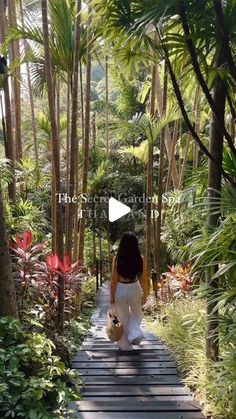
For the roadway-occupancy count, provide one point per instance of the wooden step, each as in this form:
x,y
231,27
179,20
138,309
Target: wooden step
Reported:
x,y
138,406
138,415
123,365
119,357
119,372
95,390
134,380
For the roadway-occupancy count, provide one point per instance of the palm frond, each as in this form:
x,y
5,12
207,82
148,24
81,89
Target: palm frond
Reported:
x,y
140,152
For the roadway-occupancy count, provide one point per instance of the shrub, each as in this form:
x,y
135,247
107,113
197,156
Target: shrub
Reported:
x,y
34,383
182,325
26,216
76,329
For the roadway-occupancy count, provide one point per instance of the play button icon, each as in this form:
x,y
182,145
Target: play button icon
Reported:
x,y
116,210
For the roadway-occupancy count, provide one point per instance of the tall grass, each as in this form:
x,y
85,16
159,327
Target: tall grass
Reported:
x,y
182,325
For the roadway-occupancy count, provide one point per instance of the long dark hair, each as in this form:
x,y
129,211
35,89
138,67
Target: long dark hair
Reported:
x,y
129,261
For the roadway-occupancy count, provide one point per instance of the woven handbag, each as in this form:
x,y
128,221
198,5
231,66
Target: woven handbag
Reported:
x,y
114,326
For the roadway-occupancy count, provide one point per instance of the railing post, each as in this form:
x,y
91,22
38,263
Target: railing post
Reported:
x,y
101,272
154,282
97,275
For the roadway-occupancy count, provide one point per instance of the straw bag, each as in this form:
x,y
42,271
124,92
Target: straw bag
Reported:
x,y
114,326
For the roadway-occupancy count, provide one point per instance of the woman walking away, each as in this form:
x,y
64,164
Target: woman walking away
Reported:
x,y
128,270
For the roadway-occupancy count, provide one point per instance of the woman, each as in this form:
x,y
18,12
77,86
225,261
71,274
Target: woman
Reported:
x,y
128,270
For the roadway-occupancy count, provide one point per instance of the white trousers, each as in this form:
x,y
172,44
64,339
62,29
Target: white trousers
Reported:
x,y
128,303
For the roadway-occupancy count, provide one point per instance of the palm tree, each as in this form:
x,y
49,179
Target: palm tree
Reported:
x,y
7,291
182,11
197,111
106,106
86,138
9,146
55,158
62,21
16,83
214,210
30,92
73,134
149,187
160,179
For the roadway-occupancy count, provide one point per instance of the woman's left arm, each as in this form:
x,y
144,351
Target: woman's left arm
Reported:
x,y
114,280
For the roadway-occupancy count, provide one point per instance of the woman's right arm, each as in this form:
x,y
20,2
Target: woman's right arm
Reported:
x,y
143,279
114,280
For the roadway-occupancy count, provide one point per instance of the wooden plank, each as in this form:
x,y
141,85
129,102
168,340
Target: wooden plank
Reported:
x,y
124,372
108,347
105,352
137,415
95,356
145,344
120,365
127,398
144,389
128,380
107,343
116,354
137,406
101,339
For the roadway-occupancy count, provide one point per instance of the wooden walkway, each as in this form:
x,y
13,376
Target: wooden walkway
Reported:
x,y
140,384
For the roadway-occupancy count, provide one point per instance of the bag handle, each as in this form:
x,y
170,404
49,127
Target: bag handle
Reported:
x,y
112,309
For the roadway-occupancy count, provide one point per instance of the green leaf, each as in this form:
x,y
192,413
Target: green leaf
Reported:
x,y
223,269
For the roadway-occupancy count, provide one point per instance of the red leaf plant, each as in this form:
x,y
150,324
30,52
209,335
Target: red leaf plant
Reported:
x,y
36,277
25,242
176,283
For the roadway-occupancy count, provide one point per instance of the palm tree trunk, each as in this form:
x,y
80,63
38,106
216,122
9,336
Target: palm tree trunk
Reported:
x,y
9,146
214,189
149,186
186,153
8,305
53,206
160,181
68,117
107,154
55,159
224,37
32,111
76,221
81,100
58,101
197,111
233,117
74,138
106,107
16,84
172,154
30,91
86,140
94,135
